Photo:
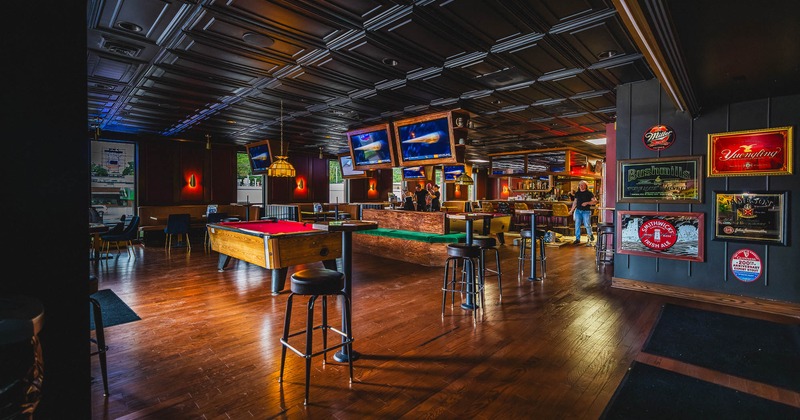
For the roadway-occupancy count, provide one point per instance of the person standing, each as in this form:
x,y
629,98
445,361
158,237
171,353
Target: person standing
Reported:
x,y
582,209
408,203
421,196
436,197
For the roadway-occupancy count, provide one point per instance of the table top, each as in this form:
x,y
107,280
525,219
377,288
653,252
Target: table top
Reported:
x,y
469,216
267,227
98,228
346,226
532,211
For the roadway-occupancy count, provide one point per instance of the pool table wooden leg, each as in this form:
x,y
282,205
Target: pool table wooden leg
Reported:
x,y
278,279
223,262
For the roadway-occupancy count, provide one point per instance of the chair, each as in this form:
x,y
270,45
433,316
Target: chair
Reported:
x,y
604,253
128,234
465,281
315,283
95,216
178,225
212,218
525,236
489,244
99,333
560,219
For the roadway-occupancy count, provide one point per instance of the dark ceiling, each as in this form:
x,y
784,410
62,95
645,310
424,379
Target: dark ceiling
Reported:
x,y
533,74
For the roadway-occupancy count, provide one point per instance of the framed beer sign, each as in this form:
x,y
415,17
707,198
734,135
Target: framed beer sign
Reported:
x,y
673,179
755,216
754,152
672,235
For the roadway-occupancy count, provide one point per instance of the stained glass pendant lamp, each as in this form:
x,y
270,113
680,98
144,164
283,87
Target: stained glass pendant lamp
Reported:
x,y
464,179
281,168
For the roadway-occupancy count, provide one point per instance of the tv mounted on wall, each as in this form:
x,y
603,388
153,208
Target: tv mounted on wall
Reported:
x,y
346,166
451,172
412,173
372,147
426,140
260,156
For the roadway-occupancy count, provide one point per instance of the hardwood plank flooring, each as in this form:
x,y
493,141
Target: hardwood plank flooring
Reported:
x,y
208,347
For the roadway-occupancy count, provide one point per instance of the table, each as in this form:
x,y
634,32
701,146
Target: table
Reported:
x,y
274,245
468,219
95,229
533,212
347,228
246,206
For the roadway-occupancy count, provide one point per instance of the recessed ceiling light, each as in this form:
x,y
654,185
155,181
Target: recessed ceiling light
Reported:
x,y
231,121
390,61
257,40
607,54
479,160
497,102
596,142
129,26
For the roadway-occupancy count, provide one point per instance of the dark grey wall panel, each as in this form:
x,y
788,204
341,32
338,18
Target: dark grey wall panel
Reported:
x,y
644,104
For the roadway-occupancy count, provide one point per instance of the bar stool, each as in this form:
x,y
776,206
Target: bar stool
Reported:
x,y
489,244
22,375
602,252
467,257
316,282
525,236
99,333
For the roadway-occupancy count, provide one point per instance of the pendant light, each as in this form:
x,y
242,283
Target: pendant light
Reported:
x,y
281,168
464,179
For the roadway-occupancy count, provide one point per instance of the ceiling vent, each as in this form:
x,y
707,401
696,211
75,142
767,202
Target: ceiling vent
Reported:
x,y
122,49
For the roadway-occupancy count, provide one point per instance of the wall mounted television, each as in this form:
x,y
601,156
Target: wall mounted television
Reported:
x,y
346,166
260,156
451,172
372,147
426,140
413,173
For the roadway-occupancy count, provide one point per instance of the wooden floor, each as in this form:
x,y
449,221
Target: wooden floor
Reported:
x,y
208,343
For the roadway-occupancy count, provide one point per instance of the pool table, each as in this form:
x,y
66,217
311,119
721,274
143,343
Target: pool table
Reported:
x,y
274,245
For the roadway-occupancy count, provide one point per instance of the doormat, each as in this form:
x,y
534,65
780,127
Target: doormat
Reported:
x,y
114,310
648,392
753,349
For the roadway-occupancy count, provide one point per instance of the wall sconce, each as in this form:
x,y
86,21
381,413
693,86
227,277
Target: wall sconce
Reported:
x,y
505,189
300,184
192,181
372,187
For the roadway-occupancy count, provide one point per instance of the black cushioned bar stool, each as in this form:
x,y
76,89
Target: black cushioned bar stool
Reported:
x,y
317,282
525,236
489,244
465,281
604,254
99,333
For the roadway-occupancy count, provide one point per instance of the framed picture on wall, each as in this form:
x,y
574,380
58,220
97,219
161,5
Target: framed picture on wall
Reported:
x,y
754,216
672,235
766,151
656,180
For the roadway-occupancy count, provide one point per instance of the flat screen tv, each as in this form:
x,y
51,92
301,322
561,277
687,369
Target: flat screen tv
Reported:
x,y
425,140
411,173
372,147
346,166
260,156
451,172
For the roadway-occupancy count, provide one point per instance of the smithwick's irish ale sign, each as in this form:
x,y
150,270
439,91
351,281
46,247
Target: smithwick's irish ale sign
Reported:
x,y
659,137
753,152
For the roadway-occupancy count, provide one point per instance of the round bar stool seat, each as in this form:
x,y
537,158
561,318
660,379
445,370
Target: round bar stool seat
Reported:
x,y
525,236
604,254
315,283
463,282
489,244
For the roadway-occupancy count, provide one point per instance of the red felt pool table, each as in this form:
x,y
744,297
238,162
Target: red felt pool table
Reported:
x,y
274,245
